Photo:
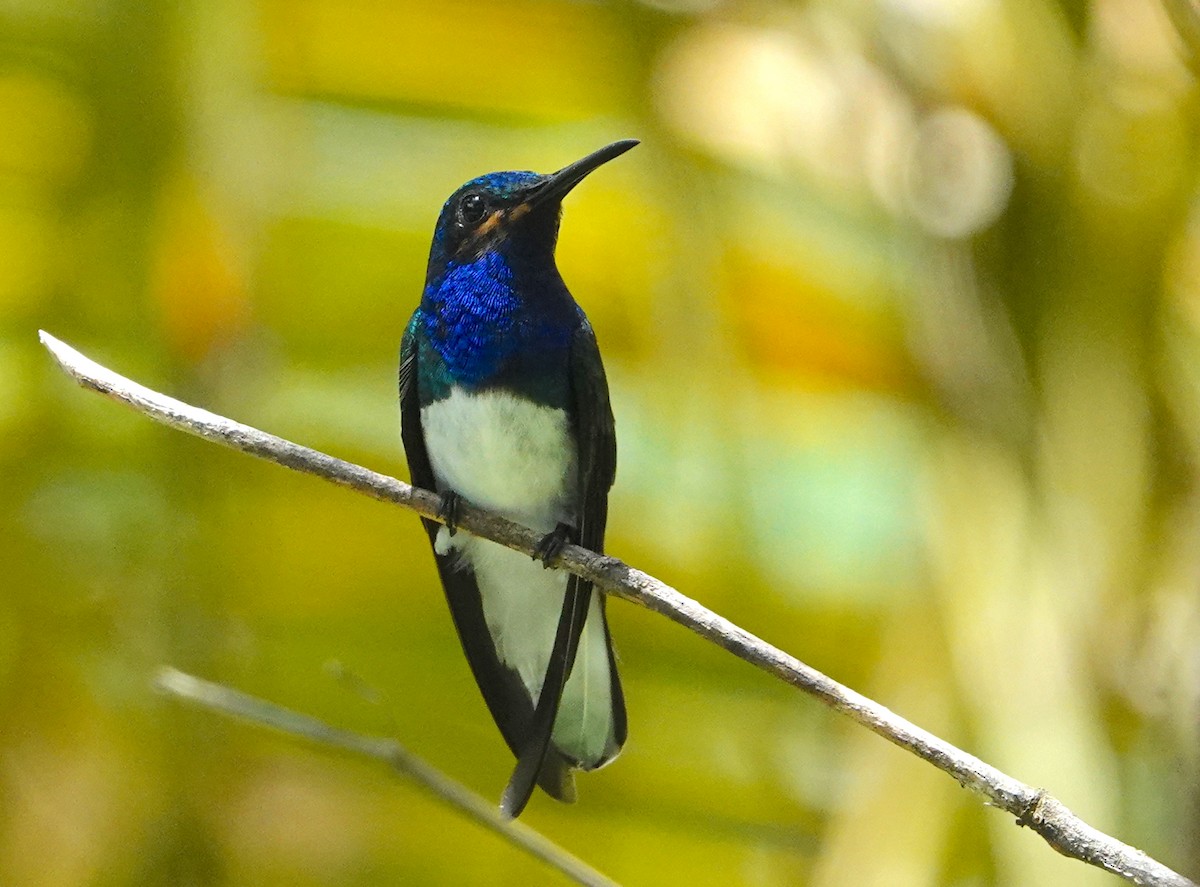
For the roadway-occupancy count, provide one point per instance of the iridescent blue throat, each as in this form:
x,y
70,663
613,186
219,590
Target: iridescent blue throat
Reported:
x,y
470,313
484,334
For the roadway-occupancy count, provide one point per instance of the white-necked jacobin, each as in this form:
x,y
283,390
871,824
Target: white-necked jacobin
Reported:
x,y
504,404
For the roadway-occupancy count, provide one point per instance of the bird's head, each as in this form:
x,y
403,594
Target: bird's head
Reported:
x,y
514,213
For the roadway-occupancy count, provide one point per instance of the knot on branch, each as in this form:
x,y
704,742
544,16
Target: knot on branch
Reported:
x,y
1059,827
1031,815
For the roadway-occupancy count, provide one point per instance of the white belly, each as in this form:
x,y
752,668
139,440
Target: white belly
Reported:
x,y
519,459
504,454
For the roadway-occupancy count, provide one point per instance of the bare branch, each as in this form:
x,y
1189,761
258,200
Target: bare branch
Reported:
x,y
225,700
1032,807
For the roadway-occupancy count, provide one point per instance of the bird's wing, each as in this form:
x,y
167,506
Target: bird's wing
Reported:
x,y
502,688
595,435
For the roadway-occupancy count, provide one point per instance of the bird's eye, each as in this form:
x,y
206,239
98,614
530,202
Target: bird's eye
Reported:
x,y
472,209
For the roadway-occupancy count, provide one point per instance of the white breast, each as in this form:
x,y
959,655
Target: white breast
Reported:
x,y
503,453
517,458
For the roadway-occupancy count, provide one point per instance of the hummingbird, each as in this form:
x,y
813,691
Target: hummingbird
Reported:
x,y
504,404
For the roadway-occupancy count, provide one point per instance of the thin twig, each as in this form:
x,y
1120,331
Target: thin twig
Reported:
x,y
1032,807
226,700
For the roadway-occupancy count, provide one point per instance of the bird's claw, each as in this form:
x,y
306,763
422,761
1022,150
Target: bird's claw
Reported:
x,y
448,510
552,544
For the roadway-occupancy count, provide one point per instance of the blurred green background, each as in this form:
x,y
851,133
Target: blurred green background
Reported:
x,y
900,302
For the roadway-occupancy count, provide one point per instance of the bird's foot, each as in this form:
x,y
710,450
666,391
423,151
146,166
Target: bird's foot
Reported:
x,y
448,510
552,544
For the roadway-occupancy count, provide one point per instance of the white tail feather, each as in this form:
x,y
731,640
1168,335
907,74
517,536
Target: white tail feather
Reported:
x,y
584,727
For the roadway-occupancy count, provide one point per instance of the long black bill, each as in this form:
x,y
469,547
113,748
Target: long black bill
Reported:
x,y
556,185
